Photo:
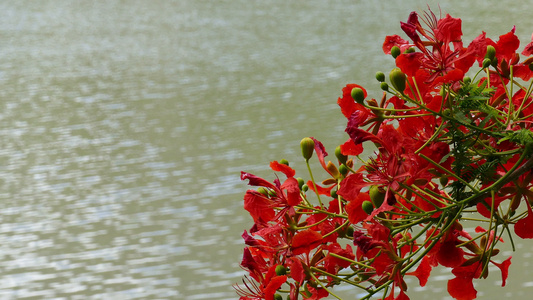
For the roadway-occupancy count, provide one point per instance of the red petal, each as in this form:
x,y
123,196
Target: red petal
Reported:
x,y
293,191
423,271
504,267
462,288
258,206
305,241
351,186
297,270
507,45
288,171
321,190
523,227
449,255
409,63
354,208
256,181
350,148
347,103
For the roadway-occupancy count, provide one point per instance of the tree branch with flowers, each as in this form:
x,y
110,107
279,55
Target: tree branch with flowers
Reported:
x,y
445,145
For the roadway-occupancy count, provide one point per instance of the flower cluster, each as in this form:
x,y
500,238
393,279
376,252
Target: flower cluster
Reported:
x,y
442,145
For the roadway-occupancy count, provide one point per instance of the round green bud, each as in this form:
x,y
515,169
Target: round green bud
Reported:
x,y
377,195
380,76
358,95
333,193
467,80
341,157
447,112
278,297
301,182
395,51
308,146
305,188
409,50
384,86
343,170
281,270
486,63
397,79
349,231
491,52
367,207
530,66
284,162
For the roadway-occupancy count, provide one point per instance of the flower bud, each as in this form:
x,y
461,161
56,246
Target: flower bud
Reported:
x,y
380,76
343,170
486,63
284,162
491,52
367,207
397,79
530,66
395,51
281,270
358,95
278,297
301,182
349,231
384,86
377,195
305,188
308,146
341,157
409,50
467,80
333,193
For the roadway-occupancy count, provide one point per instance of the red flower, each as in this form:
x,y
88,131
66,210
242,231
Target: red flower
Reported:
x,y
305,241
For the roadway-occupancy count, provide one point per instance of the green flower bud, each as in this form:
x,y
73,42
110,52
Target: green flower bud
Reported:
x,y
341,157
301,182
284,162
305,188
384,86
278,297
333,193
491,52
530,66
486,63
395,51
343,170
367,207
358,95
308,146
349,231
380,76
377,195
409,50
467,80
281,270
397,79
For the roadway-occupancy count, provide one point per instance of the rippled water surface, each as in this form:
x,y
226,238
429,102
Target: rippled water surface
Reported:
x,y
125,125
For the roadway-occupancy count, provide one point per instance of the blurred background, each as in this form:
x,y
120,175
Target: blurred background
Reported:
x,y
125,125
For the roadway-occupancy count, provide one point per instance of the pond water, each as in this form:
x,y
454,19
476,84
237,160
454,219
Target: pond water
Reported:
x,y
125,125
